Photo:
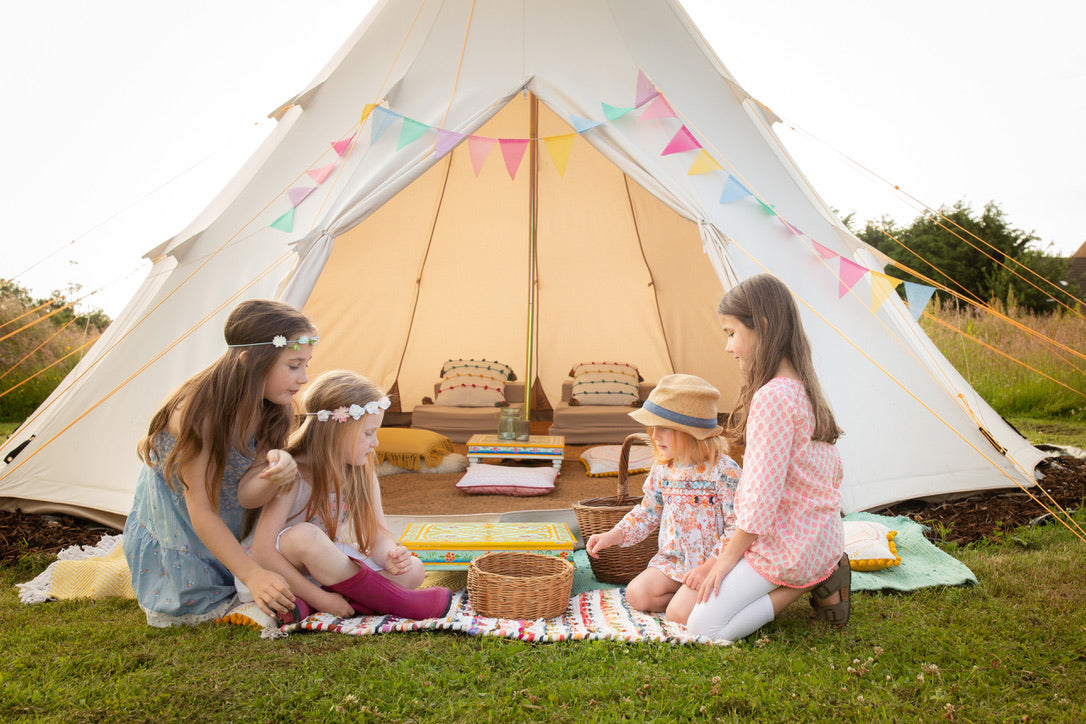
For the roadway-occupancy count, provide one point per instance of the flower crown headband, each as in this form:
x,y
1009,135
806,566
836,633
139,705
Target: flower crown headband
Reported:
x,y
356,411
280,340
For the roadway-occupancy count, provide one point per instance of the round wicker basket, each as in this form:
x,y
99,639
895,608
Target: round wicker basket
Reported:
x,y
512,584
599,515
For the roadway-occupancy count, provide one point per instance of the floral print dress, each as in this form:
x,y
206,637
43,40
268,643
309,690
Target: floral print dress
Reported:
x,y
694,507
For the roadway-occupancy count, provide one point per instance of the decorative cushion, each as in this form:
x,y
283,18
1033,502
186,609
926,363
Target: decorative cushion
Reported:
x,y
483,479
605,383
473,383
870,546
451,463
411,447
602,460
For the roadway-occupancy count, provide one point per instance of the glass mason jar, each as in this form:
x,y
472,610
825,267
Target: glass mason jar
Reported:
x,y
507,422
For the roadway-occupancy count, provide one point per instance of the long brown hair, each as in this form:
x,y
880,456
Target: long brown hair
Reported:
x,y
764,304
216,406
328,445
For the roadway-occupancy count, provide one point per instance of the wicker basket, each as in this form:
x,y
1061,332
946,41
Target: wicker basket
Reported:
x,y
599,515
512,584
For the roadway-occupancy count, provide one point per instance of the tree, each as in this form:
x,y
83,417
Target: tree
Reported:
x,y
972,256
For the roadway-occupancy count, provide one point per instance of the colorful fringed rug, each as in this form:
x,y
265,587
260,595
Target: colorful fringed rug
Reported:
x,y
600,614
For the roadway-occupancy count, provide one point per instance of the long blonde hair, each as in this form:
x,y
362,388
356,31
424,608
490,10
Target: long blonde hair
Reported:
x,y
764,304
217,405
691,450
327,446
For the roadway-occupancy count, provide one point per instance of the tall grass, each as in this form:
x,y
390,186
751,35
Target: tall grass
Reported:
x,y
1033,377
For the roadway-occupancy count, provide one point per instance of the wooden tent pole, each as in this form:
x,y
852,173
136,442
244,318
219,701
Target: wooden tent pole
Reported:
x,y
533,199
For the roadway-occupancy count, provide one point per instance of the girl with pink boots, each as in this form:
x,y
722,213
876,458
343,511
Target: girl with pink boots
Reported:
x,y
326,535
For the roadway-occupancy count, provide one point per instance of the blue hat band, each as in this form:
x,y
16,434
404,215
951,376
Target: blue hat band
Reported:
x,y
700,422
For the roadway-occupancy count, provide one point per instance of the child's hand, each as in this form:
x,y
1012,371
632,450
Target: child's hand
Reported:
x,y
711,584
282,471
270,591
398,560
693,579
333,603
598,541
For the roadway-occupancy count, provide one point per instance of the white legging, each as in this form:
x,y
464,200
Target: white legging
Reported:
x,y
738,609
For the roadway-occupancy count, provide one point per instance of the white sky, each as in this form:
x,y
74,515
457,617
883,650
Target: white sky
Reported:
x,y
123,118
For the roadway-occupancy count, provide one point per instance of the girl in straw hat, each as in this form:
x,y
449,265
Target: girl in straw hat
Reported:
x,y
788,537
688,494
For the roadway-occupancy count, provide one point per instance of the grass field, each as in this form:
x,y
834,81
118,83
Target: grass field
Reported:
x,y
1012,648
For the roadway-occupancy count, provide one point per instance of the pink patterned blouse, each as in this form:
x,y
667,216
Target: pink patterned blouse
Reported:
x,y
789,492
693,507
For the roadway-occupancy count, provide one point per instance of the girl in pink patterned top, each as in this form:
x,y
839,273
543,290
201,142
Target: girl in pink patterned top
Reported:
x,y
788,537
688,495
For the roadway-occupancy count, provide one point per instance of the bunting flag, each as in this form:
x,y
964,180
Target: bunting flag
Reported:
x,y
580,125
658,108
513,151
446,141
646,91
851,272
733,190
340,147
917,297
767,208
410,131
614,112
559,148
882,286
285,222
682,141
479,147
791,228
382,119
823,251
320,174
704,163
298,194
366,111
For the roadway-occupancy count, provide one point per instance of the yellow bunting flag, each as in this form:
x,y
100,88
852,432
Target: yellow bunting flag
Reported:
x,y
704,163
559,147
882,286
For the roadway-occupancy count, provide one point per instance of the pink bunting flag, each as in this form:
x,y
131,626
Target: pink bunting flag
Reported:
x,y
513,151
479,148
298,194
646,91
851,272
320,174
823,251
340,147
682,141
446,141
658,108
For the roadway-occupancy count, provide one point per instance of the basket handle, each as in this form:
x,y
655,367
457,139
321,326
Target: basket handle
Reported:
x,y
638,438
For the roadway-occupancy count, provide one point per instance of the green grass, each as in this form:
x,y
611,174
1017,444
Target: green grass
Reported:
x,y
1012,648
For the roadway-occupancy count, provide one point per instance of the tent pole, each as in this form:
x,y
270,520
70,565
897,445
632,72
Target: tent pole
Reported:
x,y
533,197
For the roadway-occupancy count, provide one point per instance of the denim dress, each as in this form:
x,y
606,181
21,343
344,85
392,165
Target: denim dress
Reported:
x,y
175,577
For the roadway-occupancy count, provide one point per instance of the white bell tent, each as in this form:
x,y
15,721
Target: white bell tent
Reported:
x,y
454,156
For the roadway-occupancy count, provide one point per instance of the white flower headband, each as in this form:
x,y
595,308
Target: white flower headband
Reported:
x,y
340,414
280,340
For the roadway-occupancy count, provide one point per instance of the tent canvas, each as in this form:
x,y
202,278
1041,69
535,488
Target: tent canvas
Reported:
x,y
406,253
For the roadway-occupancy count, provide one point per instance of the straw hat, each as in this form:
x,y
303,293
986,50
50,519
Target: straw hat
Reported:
x,y
682,402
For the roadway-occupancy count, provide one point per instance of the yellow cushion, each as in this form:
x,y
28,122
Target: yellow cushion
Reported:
x,y
96,577
870,546
408,447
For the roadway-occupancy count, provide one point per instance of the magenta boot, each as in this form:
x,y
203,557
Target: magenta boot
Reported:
x,y
371,593
300,612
